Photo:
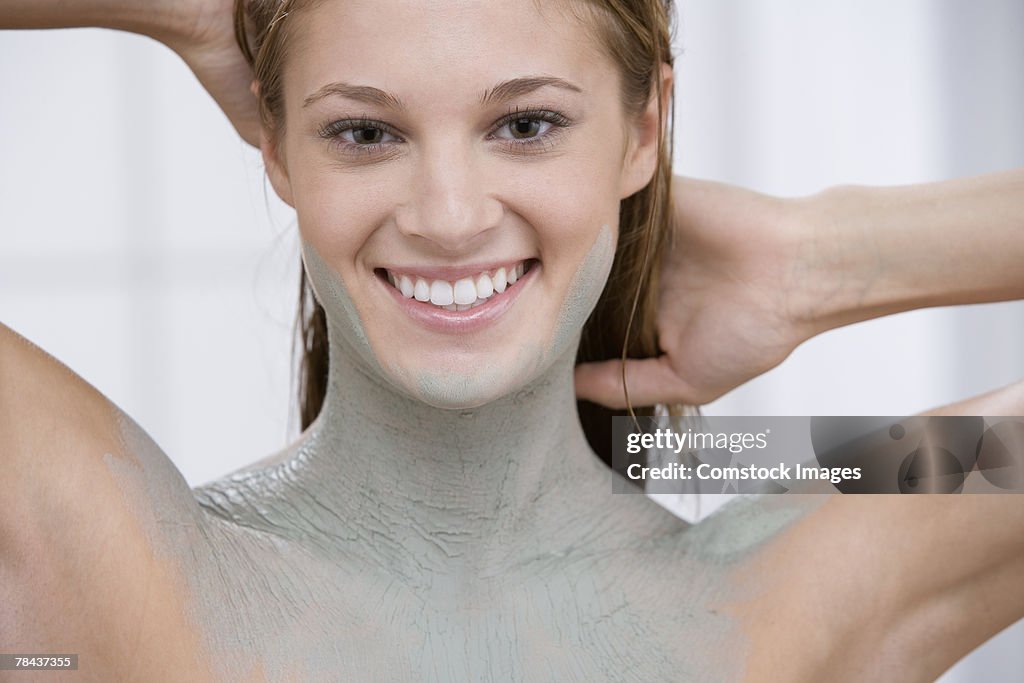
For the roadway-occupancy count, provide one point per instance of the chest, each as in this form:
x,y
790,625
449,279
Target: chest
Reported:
x,y
583,622
260,610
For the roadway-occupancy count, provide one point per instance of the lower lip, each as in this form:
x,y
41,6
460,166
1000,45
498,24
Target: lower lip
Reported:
x,y
461,322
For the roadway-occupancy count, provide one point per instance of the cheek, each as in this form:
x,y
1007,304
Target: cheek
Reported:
x,y
585,287
338,213
577,229
335,223
571,210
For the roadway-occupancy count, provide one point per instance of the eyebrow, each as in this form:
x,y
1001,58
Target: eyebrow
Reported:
x,y
361,93
504,91
517,87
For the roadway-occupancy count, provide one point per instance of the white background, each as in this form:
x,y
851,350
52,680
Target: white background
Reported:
x,y
140,246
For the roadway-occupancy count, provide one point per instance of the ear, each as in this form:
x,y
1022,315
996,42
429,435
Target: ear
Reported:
x,y
641,158
273,161
277,171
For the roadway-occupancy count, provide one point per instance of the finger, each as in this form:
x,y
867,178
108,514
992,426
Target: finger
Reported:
x,y
651,381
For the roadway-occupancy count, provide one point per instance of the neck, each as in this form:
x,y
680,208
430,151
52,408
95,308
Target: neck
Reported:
x,y
417,489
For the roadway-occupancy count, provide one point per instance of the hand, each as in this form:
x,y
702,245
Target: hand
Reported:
x,y
204,37
729,304
200,31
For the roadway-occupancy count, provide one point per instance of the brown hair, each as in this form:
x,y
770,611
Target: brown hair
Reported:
x,y
637,34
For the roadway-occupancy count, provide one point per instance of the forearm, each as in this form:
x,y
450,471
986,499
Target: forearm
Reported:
x,y
1005,401
868,252
155,18
201,32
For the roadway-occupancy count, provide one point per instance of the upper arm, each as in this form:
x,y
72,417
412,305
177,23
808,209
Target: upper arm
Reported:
x,y
66,450
934,575
961,580
78,513
54,430
887,586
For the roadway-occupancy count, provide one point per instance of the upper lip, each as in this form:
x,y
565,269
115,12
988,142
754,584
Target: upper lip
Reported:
x,y
452,273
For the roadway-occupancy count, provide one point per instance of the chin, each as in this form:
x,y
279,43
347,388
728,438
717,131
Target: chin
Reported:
x,y
485,382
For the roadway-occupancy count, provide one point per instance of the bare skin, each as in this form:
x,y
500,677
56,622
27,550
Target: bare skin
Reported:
x,y
76,581
752,277
201,32
852,588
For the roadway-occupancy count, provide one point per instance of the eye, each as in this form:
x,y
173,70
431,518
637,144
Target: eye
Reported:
x,y
531,130
359,136
519,131
526,128
366,135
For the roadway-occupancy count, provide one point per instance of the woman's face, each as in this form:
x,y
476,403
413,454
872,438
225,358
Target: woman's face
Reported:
x,y
435,152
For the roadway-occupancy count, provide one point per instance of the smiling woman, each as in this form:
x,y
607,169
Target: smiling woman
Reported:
x,y
482,196
455,164
469,174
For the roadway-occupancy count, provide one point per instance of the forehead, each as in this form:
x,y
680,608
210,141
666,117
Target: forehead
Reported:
x,y
442,47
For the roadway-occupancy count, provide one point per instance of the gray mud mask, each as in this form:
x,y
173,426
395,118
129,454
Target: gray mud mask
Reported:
x,y
474,536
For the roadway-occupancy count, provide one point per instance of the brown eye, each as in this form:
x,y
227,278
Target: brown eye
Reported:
x,y
534,127
367,136
362,136
524,128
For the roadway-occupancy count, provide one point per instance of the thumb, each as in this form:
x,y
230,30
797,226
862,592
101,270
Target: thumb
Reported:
x,y
650,380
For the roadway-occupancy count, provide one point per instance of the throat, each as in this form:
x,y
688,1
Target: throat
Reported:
x,y
417,490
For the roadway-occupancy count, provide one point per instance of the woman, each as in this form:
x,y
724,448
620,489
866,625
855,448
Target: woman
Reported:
x,y
444,517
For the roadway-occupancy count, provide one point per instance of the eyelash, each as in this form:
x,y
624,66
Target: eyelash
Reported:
x,y
332,131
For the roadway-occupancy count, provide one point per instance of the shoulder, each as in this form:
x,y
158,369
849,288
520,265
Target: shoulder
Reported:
x,y
77,562
67,452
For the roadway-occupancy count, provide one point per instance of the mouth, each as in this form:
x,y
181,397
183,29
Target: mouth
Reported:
x,y
465,293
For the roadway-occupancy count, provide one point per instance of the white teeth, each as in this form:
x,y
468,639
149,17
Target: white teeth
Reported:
x,y
500,282
464,294
441,293
422,290
405,284
465,291
484,286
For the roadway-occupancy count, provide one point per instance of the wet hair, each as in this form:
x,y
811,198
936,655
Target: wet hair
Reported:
x,y
637,35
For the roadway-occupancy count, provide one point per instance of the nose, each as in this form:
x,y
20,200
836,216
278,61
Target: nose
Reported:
x,y
450,202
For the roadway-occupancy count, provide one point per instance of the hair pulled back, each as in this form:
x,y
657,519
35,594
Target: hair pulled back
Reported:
x,y
637,34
